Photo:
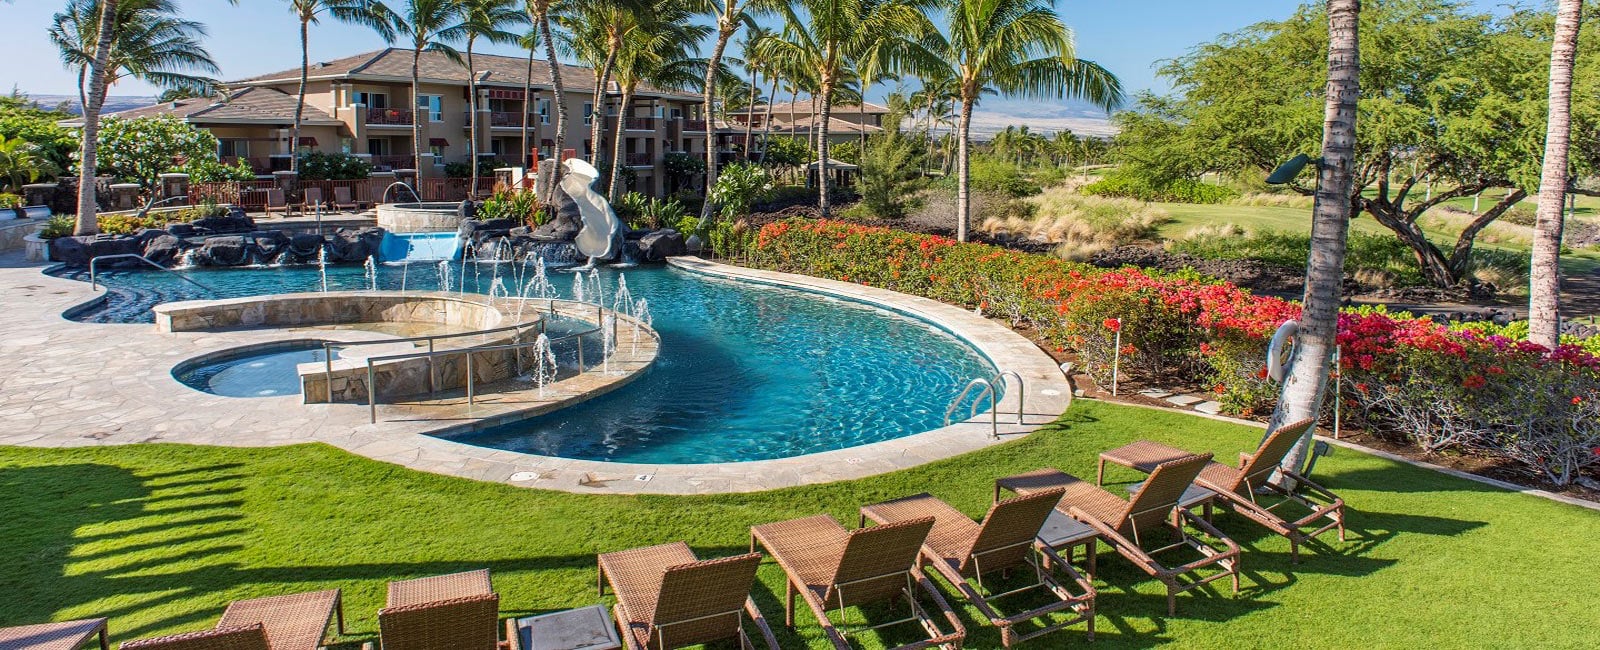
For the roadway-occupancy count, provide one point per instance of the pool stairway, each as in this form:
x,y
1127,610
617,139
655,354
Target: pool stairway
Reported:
x,y
419,247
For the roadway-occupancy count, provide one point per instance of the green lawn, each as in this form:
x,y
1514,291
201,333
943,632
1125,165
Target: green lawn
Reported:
x,y
161,537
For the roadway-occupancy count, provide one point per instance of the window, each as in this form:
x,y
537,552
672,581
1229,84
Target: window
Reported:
x,y
378,146
677,113
437,150
658,111
371,100
544,111
233,148
588,113
347,145
433,105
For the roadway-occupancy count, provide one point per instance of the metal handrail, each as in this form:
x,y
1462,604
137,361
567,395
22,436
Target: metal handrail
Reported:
x,y
94,279
989,391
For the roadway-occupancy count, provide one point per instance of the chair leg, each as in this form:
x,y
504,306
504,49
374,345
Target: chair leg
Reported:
x,y
1172,601
788,614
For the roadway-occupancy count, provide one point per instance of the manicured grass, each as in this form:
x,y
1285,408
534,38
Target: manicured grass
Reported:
x,y
161,537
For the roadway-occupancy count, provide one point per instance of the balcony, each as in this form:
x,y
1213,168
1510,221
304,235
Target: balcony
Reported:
x,y
640,124
639,159
388,117
389,163
502,120
694,125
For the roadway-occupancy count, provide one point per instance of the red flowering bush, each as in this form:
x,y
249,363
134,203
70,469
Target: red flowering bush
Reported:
x,y
1409,378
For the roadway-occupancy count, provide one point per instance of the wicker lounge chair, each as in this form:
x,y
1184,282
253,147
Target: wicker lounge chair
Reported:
x,y
459,611
311,199
833,567
290,622
964,552
1127,524
276,202
344,198
667,598
64,635
1244,487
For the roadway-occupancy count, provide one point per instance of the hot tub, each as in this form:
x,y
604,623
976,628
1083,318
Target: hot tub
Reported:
x,y
419,217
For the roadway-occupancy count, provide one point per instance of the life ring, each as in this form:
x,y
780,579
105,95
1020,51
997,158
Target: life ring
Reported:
x,y
1281,351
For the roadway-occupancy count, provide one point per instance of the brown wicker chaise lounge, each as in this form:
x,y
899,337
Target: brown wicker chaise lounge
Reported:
x,y
63,635
312,198
833,567
276,202
459,611
668,598
964,552
1127,524
1242,487
289,622
344,198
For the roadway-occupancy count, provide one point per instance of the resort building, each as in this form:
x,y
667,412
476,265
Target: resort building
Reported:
x,y
363,105
846,122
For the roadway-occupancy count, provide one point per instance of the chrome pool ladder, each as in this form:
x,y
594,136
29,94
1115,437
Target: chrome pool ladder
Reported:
x,y
989,390
94,279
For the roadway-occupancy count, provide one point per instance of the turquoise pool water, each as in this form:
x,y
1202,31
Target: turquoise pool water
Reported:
x,y
263,373
746,372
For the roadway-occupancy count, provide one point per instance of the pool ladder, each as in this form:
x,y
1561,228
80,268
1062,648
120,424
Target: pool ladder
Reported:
x,y
989,390
94,279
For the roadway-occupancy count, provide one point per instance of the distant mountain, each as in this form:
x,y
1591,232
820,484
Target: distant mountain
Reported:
x,y
114,103
994,114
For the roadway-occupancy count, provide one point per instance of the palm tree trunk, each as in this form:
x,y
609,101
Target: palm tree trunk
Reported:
x,y
560,96
616,152
472,122
1307,381
749,114
766,120
725,31
823,203
527,107
597,115
1544,287
88,223
861,107
416,124
300,97
963,178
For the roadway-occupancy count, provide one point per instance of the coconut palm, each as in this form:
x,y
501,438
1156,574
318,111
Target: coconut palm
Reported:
x,y
530,42
110,40
1544,290
1307,379
595,31
539,15
422,22
659,50
755,65
824,36
728,15
488,21
366,13
1016,48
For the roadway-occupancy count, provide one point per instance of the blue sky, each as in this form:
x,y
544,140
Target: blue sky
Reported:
x,y
261,36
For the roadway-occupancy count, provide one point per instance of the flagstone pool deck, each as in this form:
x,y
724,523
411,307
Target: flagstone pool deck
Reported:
x,y
66,383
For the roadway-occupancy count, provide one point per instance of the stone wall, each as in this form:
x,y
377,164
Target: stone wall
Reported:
x,y
13,230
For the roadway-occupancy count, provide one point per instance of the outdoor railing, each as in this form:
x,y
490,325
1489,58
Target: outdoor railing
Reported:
x,y
392,116
638,159
393,162
452,189
640,124
694,125
249,195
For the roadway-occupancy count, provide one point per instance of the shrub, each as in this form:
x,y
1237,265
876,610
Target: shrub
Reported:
x,y
646,212
738,186
1081,225
318,166
1377,260
59,225
683,165
521,206
1176,191
206,170
787,152
140,150
1409,378
9,200
987,174
891,174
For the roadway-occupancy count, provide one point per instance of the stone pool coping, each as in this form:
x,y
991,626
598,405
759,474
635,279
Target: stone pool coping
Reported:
x,y
78,384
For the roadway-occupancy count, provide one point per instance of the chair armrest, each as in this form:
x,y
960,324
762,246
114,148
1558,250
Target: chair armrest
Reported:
x,y
1112,537
1244,458
513,637
1206,527
1072,572
960,631
761,622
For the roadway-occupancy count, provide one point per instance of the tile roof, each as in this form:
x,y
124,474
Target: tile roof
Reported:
x,y
803,108
247,106
835,125
434,67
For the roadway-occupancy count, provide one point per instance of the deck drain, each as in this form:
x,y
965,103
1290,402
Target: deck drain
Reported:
x,y
1050,391
643,478
526,476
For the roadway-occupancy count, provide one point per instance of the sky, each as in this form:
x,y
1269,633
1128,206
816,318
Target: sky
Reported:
x,y
258,36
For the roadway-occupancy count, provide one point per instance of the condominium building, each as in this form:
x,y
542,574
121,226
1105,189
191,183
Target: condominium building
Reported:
x,y
363,105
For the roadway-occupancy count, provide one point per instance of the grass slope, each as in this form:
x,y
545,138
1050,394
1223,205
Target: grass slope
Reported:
x,y
161,537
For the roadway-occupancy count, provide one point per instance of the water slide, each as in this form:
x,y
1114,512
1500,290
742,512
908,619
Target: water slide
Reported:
x,y
598,238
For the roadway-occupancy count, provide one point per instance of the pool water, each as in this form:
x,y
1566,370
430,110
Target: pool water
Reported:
x,y
261,373
746,371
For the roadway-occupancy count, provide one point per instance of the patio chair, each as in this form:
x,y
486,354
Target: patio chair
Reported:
x,y
833,567
965,552
289,622
1127,524
276,202
61,635
249,637
668,598
311,199
459,611
1243,487
344,199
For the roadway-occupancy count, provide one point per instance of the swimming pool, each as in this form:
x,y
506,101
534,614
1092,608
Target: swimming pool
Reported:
x,y
746,371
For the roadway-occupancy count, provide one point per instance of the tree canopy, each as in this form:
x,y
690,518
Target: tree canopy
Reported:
x,y
1450,96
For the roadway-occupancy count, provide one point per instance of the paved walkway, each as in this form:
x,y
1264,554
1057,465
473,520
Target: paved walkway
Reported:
x,y
76,384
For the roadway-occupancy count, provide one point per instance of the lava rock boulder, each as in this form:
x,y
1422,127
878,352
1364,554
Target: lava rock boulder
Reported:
x,y
227,250
662,244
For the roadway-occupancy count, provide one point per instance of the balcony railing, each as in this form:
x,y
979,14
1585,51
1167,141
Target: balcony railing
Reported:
x,y
639,159
502,119
640,124
694,125
393,161
392,116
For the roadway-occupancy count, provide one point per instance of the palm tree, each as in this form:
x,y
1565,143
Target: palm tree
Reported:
x,y
530,42
1307,381
596,30
485,20
825,35
366,13
728,16
754,64
139,39
1018,48
659,51
539,15
1544,286
423,21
